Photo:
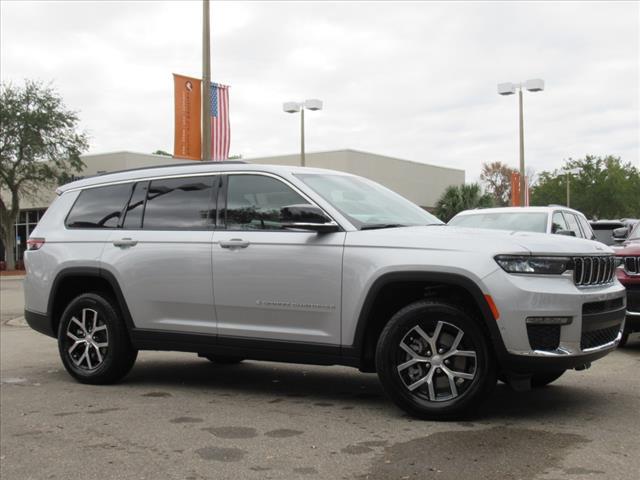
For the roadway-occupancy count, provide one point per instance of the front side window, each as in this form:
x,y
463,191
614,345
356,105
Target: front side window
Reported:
x,y
99,207
254,202
558,222
572,223
180,204
133,213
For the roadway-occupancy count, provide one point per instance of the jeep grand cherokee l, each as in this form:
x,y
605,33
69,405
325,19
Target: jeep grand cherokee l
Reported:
x,y
234,261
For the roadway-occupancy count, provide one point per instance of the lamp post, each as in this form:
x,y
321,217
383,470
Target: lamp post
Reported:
x,y
534,85
568,174
295,107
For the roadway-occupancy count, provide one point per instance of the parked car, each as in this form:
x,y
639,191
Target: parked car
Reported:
x,y
235,261
629,276
552,219
604,230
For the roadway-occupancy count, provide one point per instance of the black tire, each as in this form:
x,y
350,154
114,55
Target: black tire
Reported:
x,y
223,359
539,380
625,338
423,402
88,363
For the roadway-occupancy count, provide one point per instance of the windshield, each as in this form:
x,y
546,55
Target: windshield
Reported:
x,y
365,203
521,222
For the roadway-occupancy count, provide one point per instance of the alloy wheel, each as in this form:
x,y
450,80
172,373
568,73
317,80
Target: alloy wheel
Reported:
x,y
87,340
437,364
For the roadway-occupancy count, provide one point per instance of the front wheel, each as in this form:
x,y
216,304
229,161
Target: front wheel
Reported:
x,y
93,341
434,361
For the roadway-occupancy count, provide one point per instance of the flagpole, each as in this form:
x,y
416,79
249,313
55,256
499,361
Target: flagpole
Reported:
x,y
206,83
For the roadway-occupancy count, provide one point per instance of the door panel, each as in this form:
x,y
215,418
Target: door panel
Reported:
x,y
282,285
161,254
269,282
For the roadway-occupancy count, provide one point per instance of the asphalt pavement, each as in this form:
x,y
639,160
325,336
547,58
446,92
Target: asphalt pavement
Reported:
x,y
177,416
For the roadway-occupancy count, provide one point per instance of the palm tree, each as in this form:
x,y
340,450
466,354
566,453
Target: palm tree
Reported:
x,y
457,198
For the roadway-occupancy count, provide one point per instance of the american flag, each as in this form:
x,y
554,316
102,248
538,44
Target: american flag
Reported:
x,y
220,131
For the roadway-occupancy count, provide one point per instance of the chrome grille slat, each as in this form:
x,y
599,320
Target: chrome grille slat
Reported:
x,y
593,270
632,265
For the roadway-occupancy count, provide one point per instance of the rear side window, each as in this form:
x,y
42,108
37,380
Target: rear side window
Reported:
x,y
180,204
99,207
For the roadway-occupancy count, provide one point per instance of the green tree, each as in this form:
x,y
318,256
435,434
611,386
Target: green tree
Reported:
x,y
457,198
39,145
163,153
600,187
497,179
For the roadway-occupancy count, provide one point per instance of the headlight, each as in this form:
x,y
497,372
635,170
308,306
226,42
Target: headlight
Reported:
x,y
529,264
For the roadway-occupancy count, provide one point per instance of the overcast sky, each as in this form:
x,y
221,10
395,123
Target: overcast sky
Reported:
x,y
412,80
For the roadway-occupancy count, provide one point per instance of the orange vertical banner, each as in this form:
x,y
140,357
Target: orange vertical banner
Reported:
x,y
187,97
515,189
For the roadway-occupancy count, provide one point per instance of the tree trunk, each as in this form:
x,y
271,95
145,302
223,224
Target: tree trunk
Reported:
x,y
9,242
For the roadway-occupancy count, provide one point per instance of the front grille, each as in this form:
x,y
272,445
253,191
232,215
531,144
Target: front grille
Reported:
x,y
544,337
594,270
604,306
595,338
632,265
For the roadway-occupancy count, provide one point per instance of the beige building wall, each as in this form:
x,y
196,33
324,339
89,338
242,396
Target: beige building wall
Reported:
x,y
419,182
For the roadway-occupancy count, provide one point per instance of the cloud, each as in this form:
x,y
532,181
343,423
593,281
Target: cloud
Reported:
x,y
413,80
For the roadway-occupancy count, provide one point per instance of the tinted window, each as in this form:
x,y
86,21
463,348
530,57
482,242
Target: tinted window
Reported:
x,y
586,228
572,223
133,215
558,222
254,202
179,203
99,207
521,222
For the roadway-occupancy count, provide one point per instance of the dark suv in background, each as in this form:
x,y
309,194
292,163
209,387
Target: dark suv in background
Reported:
x,y
629,276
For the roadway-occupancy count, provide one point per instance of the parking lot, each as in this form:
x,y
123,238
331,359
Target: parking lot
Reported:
x,y
178,416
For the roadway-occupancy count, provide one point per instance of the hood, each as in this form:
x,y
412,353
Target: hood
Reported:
x,y
444,237
630,249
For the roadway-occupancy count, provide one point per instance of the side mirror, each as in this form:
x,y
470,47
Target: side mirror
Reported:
x,y
620,234
307,217
568,233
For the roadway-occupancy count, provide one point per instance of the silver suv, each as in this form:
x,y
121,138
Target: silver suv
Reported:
x,y
235,261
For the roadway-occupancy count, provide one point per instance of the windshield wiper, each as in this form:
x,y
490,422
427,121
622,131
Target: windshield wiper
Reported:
x,y
374,226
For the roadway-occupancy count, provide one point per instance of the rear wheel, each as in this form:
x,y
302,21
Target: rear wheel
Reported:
x,y
543,379
93,341
434,361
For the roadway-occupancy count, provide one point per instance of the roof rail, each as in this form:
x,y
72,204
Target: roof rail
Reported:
x,y
169,165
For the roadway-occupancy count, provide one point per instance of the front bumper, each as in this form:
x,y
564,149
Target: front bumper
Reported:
x,y
594,315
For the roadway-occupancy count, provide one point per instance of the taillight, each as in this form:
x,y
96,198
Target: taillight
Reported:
x,y
35,243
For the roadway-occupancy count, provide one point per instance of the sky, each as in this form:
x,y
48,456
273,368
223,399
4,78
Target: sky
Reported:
x,y
410,80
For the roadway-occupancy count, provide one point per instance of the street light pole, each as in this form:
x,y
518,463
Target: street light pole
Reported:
x,y
302,154
535,85
522,173
206,83
295,107
568,188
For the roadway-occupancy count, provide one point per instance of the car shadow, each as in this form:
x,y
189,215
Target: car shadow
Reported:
x,y
348,388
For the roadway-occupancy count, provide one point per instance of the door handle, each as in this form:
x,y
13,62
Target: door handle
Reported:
x,y
125,242
234,243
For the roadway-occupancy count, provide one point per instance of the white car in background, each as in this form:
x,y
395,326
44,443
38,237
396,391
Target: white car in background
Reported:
x,y
552,219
